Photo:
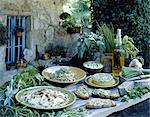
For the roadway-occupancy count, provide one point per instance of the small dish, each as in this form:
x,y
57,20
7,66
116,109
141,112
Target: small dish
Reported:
x,y
93,65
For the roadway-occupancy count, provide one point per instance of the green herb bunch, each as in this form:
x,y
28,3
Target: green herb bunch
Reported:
x,y
27,78
109,38
129,72
138,92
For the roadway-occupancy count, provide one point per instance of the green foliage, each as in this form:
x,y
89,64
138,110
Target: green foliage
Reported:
x,y
108,33
55,50
3,34
27,78
81,10
20,111
132,16
137,92
127,42
128,45
69,22
12,111
89,43
129,72
77,112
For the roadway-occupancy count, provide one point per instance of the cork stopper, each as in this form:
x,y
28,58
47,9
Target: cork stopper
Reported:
x,y
119,41
119,32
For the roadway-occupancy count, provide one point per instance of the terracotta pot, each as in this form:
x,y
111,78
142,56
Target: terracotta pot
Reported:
x,y
106,60
46,56
18,34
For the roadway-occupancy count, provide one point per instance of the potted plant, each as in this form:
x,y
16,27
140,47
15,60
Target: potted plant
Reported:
x,y
3,41
88,45
69,23
109,38
18,31
131,51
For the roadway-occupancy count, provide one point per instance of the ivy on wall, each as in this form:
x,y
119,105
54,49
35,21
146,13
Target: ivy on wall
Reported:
x,y
132,16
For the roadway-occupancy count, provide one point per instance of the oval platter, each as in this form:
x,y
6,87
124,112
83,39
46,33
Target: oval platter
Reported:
x,y
21,97
79,73
88,81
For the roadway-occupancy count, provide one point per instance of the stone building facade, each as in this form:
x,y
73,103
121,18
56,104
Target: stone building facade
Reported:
x,y
42,13
44,23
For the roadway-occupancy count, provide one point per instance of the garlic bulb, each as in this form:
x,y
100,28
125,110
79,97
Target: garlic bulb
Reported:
x,y
136,64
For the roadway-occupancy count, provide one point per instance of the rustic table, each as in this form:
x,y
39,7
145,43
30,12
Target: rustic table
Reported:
x,y
108,111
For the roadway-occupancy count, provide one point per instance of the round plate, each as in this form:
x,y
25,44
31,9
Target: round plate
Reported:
x,y
72,97
88,81
80,74
85,64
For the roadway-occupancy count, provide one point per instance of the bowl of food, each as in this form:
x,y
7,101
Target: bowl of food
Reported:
x,y
64,74
93,66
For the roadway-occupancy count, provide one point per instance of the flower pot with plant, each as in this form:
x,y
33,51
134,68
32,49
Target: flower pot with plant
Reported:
x,y
3,41
131,51
68,22
88,45
108,33
18,31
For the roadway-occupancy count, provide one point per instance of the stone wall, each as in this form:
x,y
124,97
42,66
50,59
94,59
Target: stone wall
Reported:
x,y
2,60
42,12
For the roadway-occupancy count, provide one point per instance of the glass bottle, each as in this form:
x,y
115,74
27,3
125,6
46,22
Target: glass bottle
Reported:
x,y
118,57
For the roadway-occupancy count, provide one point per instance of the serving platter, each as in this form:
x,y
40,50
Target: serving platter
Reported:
x,y
32,97
89,82
78,73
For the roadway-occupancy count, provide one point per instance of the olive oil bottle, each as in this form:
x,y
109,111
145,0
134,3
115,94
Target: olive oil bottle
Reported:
x,y
118,57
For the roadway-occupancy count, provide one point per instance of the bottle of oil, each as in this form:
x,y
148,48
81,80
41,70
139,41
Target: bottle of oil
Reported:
x,y
118,58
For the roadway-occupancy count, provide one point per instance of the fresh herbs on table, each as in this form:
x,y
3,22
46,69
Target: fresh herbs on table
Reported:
x,y
137,92
129,72
20,111
17,111
27,78
76,112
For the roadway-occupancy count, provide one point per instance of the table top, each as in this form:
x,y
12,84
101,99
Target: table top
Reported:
x,y
105,111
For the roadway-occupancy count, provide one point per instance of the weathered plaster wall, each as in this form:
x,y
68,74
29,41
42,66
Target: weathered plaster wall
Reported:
x,y
42,12
2,61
